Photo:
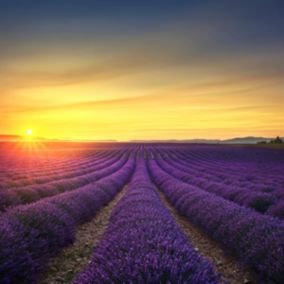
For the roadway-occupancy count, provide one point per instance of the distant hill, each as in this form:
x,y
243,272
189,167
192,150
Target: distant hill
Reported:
x,y
246,140
236,140
205,141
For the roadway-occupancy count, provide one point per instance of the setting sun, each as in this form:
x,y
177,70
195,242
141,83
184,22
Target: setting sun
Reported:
x,y
29,132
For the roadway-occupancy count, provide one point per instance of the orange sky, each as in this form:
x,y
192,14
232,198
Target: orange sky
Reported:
x,y
163,82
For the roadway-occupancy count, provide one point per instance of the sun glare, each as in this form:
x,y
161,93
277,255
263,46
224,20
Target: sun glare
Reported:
x,y
29,132
30,143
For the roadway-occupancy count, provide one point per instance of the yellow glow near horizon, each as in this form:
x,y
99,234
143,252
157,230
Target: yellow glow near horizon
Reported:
x,y
129,99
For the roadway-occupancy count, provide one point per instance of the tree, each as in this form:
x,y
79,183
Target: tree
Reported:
x,y
277,140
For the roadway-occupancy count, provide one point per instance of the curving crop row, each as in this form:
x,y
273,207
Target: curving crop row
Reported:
x,y
260,169
34,193
143,243
240,165
263,176
30,234
36,170
259,201
57,173
262,173
21,163
261,190
255,239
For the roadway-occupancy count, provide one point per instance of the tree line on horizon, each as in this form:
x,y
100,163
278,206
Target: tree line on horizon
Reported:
x,y
277,140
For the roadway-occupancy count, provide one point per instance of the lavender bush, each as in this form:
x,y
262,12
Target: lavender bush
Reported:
x,y
39,230
31,193
256,240
260,201
143,243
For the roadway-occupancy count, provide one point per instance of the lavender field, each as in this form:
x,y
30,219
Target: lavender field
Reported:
x,y
129,213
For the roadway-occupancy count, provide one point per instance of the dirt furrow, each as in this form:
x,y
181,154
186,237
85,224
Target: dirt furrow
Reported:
x,y
228,268
63,268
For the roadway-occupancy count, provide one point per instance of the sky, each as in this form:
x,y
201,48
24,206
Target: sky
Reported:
x,y
82,69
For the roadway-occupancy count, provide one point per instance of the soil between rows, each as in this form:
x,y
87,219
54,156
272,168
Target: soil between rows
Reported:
x,y
63,268
227,267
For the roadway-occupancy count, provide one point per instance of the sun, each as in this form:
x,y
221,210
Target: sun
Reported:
x,y
30,143
29,132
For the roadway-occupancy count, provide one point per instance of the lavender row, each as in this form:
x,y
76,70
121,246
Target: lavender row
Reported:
x,y
28,194
249,176
263,175
258,201
267,197
46,161
57,173
34,193
261,168
24,161
255,239
143,243
30,234
14,176
262,171
258,177
81,170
